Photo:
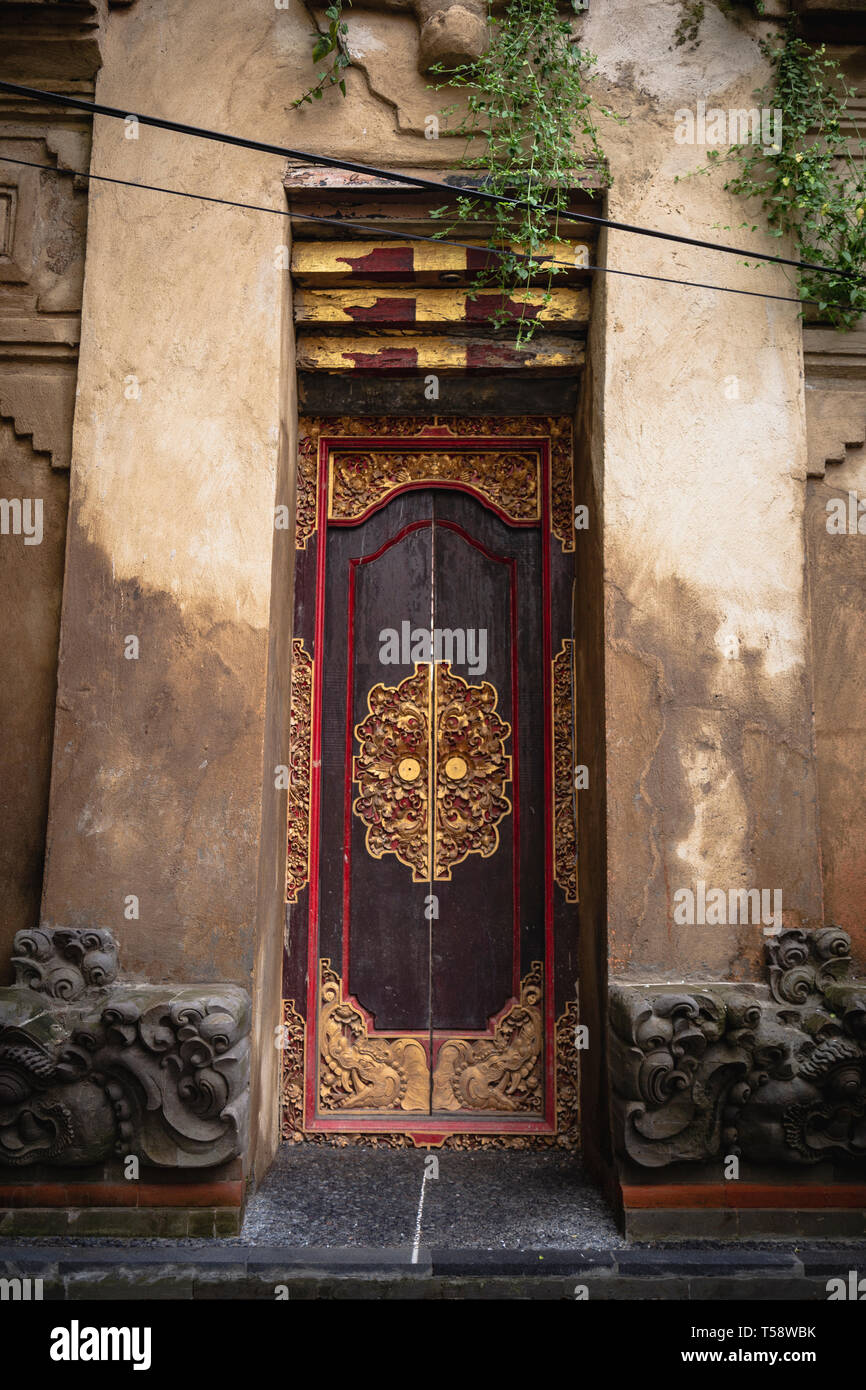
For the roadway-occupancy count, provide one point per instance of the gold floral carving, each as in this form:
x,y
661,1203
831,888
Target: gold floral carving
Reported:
x,y
358,1072
567,1074
472,771
300,743
502,1073
564,814
392,772
562,483
307,508
556,429
291,1044
508,480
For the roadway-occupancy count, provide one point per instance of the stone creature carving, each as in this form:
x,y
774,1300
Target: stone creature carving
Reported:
x,y
776,1074
92,1068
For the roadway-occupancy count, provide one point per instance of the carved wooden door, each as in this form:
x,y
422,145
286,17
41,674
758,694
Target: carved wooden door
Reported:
x,y
431,821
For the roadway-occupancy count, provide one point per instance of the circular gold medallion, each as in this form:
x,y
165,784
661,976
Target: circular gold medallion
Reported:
x,y
408,769
455,768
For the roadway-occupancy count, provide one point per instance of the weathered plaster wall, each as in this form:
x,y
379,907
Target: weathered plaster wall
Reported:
x,y
700,409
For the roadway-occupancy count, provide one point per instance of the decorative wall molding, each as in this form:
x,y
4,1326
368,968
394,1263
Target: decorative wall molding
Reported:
x,y
52,39
92,1067
43,228
775,1073
835,365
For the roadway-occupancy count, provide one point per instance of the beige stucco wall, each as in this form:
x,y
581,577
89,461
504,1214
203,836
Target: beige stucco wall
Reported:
x,y
162,782
699,433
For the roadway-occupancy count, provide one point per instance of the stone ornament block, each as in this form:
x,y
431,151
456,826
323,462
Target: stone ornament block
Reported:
x,y
93,1068
452,32
774,1073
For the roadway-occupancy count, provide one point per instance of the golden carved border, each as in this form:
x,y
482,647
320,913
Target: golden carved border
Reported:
x,y
509,481
567,1079
307,507
426,431
562,482
564,813
300,755
291,1041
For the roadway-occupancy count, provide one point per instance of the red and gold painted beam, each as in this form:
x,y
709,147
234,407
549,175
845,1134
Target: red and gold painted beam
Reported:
x,y
567,309
332,263
402,352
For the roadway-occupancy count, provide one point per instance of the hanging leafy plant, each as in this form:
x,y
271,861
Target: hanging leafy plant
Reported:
x,y
531,131
332,40
810,186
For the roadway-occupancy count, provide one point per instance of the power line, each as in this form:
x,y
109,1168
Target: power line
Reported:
x,y
379,233
412,180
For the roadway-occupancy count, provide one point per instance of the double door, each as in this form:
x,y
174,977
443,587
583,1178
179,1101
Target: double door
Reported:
x,y
434,950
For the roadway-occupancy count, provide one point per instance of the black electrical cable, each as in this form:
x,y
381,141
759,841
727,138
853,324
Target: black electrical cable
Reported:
x,y
379,232
411,180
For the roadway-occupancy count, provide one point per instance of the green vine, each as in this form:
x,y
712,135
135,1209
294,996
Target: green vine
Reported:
x,y
810,186
531,133
690,21
333,40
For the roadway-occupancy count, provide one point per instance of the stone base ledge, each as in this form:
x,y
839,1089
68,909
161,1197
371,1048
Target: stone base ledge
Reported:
x,y
175,1271
129,1223
678,1224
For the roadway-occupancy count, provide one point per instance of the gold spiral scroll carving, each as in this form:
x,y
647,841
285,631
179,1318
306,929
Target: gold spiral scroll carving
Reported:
x,y
399,750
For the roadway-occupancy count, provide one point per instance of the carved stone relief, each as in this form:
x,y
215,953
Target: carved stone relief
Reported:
x,y
775,1073
93,1068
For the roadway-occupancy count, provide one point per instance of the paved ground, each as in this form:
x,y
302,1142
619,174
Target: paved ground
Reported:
x,y
486,1200
333,1223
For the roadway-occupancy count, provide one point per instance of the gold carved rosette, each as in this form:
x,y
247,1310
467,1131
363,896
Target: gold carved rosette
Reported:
x,y
472,771
392,772
460,749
